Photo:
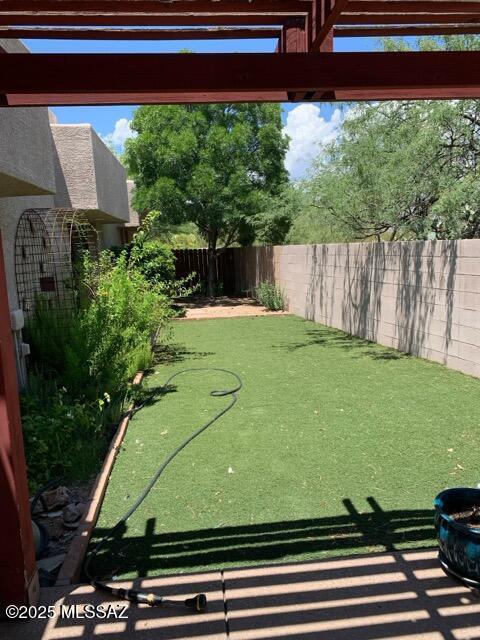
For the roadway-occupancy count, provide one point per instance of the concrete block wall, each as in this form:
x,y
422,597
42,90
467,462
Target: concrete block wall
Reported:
x,y
419,297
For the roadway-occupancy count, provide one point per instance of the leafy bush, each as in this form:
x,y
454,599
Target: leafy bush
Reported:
x,y
154,260
62,437
121,321
90,355
270,296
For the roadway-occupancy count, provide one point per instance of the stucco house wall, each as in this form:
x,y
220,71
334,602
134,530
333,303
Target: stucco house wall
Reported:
x,y
135,221
26,161
419,297
11,210
111,235
116,235
89,176
44,165
75,168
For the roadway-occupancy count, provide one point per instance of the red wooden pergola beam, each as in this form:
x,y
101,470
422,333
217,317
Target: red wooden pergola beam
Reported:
x,y
150,12
438,74
328,15
141,20
152,6
407,94
412,6
93,99
98,33
405,30
405,18
82,99
292,38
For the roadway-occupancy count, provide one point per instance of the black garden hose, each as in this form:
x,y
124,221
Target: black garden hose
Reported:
x,y
198,602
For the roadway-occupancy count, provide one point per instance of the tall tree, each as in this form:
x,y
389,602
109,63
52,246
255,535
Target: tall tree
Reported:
x,y
404,169
215,165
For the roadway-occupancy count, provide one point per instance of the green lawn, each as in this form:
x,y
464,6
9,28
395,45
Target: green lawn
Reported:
x,y
337,446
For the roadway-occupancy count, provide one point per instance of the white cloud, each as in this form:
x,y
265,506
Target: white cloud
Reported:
x,y
120,133
308,132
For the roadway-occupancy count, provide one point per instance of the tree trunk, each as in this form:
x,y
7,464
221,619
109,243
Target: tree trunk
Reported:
x,y
212,259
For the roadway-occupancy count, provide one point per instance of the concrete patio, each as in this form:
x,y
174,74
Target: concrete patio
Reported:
x,y
403,596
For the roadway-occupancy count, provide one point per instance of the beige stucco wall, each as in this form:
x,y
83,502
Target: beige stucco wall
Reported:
x,y
111,235
26,162
45,165
89,176
79,168
10,211
26,157
134,218
115,235
419,297
27,171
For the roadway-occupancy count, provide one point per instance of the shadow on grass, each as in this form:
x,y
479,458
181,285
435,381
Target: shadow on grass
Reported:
x,y
151,395
353,532
326,337
173,353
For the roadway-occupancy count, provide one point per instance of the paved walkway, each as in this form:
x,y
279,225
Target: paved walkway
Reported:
x,y
399,596
202,308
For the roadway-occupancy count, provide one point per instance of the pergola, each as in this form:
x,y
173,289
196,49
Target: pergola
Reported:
x,y
302,67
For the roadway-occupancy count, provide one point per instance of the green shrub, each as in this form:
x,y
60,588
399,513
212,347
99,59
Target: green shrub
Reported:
x,y
120,322
83,363
48,333
270,296
154,260
62,437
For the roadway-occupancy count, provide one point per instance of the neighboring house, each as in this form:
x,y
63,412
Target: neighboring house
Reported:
x,y
54,180
131,228
117,235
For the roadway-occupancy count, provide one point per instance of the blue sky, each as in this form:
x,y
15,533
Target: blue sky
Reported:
x,y
308,125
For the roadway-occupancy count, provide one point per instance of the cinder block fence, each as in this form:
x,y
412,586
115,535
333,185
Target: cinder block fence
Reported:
x,y
419,297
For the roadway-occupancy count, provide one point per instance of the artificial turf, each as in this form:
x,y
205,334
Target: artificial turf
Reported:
x,y
336,446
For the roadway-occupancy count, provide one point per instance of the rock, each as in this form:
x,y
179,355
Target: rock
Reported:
x,y
38,507
56,498
72,513
54,528
52,563
53,514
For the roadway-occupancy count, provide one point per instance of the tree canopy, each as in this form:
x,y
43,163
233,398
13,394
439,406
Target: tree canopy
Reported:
x,y
399,170
214,165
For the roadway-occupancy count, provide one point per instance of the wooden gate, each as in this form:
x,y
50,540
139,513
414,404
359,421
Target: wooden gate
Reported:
x,y
190,261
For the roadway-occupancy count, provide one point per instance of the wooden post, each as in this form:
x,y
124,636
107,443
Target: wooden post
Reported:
x,y
293,37
18,571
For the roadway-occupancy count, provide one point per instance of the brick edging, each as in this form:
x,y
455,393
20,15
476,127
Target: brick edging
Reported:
x,y
72,565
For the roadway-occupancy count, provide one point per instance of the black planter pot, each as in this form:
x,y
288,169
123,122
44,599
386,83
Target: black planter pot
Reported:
x,y
459,544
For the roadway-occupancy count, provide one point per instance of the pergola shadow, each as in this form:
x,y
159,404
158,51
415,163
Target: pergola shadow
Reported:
x,y
152,553
393,595
402,596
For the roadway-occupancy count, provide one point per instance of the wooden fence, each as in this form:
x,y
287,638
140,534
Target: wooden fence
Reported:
x,y
196,261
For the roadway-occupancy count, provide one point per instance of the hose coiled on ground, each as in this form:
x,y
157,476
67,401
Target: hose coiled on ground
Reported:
x,y
198,602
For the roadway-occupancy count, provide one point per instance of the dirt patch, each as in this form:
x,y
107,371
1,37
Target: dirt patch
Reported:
x,y
470,517
202,308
